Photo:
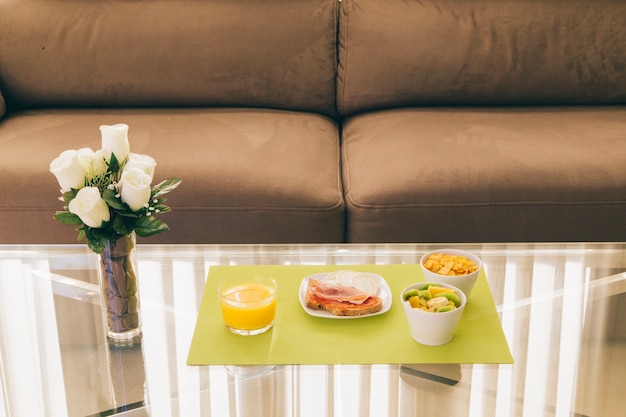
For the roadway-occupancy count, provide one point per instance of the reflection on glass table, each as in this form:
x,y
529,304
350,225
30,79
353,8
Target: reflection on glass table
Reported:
x,y
561,308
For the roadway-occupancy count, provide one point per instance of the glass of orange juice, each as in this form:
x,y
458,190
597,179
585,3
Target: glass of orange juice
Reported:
x,y
248,304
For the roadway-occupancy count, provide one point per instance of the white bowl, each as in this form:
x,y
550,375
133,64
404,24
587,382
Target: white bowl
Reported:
x,y
432,329
463,282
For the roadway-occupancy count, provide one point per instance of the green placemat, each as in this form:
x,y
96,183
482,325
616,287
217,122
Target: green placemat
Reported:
x,y
298,338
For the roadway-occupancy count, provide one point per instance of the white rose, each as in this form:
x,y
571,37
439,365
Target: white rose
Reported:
x,y
135,188
68,170
94,163
90,207
115,140
85,155
143,162
99,163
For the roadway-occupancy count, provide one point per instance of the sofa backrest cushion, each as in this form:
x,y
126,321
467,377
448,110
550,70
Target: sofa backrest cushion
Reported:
x,y
480,52
274,53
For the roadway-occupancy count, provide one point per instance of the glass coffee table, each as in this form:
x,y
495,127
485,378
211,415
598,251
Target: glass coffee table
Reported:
x,y
562,309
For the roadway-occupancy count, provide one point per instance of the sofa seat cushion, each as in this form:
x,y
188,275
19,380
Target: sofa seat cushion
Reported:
x,y
486,174
249,175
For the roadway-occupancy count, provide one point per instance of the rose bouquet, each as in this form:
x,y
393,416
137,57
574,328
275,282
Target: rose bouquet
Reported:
x,y
108,192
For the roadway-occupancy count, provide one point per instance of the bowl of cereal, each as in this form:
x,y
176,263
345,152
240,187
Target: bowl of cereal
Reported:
x,y
455,267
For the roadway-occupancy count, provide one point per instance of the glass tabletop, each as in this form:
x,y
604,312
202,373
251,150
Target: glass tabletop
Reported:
x,y
562,309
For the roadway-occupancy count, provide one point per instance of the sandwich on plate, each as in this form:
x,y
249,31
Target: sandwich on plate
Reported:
x,y
345,293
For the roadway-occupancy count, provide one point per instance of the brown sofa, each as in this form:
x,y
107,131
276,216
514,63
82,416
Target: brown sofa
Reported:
x,y
326,121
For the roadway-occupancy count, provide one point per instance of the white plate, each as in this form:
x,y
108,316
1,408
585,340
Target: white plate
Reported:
x,y
384,294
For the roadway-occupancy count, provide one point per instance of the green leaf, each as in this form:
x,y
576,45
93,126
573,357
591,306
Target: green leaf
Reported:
x,y
124,225
97,233
96,245
150,225
68,218
69,196
132,215
114,164
165,187
127,212
110,197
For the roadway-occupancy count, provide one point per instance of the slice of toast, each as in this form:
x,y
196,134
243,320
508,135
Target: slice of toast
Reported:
x,y
343,308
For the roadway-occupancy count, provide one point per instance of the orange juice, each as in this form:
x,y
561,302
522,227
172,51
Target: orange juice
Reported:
x,y
248,306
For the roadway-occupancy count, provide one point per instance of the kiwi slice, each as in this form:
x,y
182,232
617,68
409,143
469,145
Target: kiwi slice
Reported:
x,y
424,294
410,293
452,297
429,284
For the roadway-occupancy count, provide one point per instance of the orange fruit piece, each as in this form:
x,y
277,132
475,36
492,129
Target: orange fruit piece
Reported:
x,y
415,302
435,291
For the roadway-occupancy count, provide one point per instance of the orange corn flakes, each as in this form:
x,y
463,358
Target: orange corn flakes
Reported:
x,y
451,265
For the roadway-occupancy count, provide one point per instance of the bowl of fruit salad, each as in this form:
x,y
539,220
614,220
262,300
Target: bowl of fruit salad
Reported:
x,y
433,311
452,266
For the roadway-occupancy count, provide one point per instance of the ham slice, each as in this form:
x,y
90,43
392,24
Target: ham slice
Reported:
x,y
337,292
